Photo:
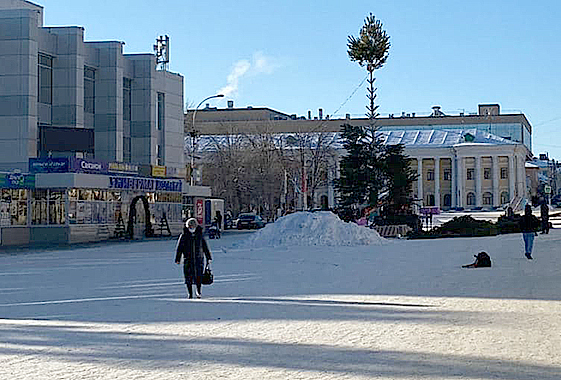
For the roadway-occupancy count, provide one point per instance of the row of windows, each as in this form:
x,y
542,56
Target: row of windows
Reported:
x,y
487,199
470,174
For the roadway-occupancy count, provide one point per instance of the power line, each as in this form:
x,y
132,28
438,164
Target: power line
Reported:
x,y
351,95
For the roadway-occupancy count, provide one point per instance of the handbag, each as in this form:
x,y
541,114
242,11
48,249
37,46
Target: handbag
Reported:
x,y
208,277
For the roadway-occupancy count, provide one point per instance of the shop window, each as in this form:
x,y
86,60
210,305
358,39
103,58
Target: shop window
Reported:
x,y
13,207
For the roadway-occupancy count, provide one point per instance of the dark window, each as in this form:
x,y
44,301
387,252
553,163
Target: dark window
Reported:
x,y
487,173
159,157
430,200
504,173
161,111
45,82
127,84
470,174
66,140
447,174
430,175
487,199
447,200
504,197
471,199
89,90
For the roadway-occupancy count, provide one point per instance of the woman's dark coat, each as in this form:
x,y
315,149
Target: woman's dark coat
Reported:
x,y
193,248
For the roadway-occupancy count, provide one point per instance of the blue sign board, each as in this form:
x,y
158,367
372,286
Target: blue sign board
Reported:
x,y
17,181
145,184
81,165
49,165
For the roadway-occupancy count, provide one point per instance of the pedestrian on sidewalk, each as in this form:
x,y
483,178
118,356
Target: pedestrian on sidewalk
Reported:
x,y
193,247
544,213
529,224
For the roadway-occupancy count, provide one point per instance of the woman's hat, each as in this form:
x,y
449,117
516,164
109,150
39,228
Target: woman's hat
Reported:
x,y
191,221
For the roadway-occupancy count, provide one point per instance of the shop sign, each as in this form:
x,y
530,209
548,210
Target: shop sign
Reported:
x,y
158,171
17,181
89,166
122,167
49,165
145,184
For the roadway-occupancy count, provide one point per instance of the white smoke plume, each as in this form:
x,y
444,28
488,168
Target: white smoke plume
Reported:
x,y
260,64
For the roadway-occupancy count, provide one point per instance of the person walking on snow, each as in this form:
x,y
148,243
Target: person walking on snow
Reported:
x,y
529,224
192,245
544,213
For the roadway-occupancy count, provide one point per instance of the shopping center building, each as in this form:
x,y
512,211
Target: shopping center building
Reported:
x,y
91,138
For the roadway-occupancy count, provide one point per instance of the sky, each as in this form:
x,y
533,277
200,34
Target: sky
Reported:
x,y
291,55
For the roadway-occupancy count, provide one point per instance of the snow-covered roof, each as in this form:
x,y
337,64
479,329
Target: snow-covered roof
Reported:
x,y
410,138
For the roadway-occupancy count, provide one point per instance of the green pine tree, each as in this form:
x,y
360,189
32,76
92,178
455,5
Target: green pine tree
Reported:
x,y
361,174
399,178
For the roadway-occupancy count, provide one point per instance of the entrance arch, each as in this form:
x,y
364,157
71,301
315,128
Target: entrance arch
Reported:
x,y
148,230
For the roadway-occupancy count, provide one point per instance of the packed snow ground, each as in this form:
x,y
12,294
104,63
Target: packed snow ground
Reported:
x,y
399,310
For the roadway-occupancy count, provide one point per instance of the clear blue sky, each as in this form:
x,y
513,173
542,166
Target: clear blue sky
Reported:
x,y
291,55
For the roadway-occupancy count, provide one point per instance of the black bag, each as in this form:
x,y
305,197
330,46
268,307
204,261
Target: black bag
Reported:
x,y
208,277
482,259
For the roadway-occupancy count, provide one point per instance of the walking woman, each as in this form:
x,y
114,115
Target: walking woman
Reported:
x,y
529,224
192,245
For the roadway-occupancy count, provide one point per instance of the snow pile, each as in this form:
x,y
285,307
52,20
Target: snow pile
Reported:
x,y
313,228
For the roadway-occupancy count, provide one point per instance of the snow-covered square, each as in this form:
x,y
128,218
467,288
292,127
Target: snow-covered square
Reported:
x,y
296,300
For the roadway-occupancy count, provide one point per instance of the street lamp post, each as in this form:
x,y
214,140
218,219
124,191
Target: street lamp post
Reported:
x,y
193,135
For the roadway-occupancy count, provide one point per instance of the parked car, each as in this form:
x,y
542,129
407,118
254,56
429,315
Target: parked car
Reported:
x,y
249,221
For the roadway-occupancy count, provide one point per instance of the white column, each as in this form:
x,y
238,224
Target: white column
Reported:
x,y
437,181
454,177
330,188
420,181
521,176
461,182
478,178
496,195
511,178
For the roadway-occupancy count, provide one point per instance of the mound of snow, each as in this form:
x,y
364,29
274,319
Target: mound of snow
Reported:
x,y
313,228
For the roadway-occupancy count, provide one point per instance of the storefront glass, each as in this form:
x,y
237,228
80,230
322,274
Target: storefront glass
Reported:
x,y
13,207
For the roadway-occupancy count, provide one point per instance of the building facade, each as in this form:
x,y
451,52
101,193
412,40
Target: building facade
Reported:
x,y
91,139
62,96
464,161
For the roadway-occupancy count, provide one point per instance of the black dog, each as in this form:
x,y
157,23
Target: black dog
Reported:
x,y
482,260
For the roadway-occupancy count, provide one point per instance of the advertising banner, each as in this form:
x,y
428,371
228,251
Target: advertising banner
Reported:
x,y
81,165
49,165
17,181
145,184
122,167
199,211
158,171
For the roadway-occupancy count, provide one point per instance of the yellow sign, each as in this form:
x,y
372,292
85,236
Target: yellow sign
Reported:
x,y
158,171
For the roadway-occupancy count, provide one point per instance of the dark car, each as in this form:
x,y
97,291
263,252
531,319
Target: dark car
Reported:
x,y
249,221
